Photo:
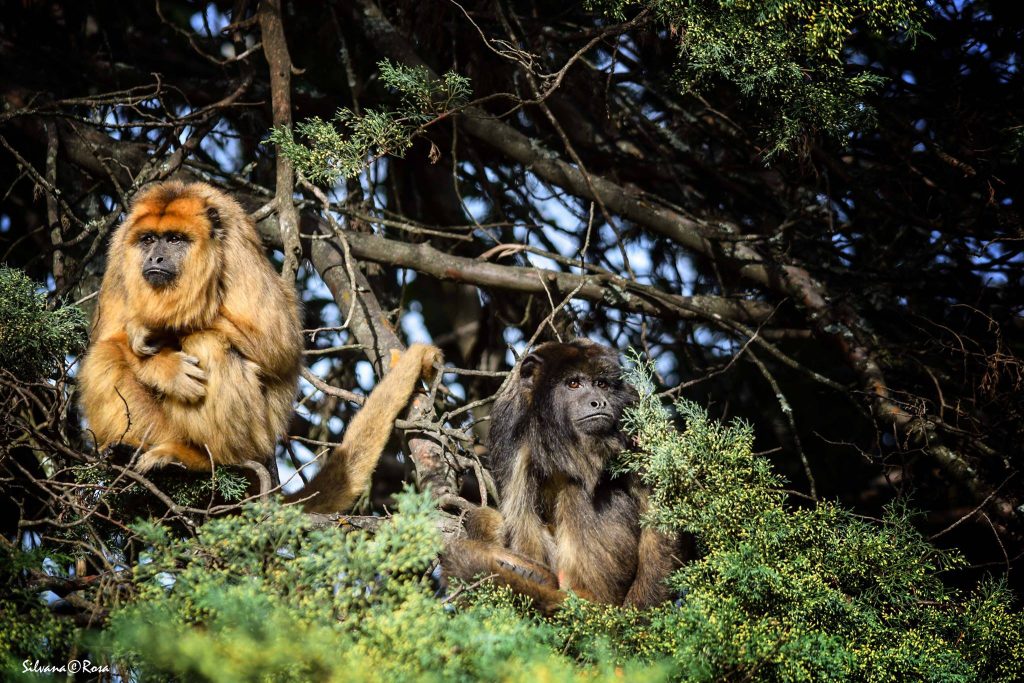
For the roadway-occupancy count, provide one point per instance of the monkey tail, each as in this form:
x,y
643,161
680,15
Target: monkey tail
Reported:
x,y
347,471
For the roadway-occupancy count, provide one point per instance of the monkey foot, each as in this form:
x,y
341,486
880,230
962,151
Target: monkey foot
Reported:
x,y
173,454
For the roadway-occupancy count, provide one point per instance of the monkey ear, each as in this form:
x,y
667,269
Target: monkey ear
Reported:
x,y
216,226
529,370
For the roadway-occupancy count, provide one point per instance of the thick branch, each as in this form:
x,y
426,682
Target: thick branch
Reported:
x,y
610,290
276,50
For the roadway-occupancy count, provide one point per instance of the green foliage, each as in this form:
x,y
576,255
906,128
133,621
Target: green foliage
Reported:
x,y
28,630
784,594
263,596
784,57
344,146
190,489
775,593
34,340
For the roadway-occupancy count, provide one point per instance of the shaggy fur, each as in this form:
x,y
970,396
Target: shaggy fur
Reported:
x,y
202,371
560,507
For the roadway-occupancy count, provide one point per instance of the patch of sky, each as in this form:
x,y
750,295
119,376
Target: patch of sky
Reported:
x,y
183,136
984,253
290,481
413,325
479,209
858,58
5,222
664,363
111,121
844,246
514,339
458,390
973,47
364,375
405,276
1008,68
684,268
711,342
30,540
223,147
211,17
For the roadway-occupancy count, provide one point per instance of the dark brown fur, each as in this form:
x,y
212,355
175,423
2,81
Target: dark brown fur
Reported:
x,y
560,506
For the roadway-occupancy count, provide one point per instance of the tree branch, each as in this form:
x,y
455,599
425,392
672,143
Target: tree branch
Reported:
x,y
275,47
841,325
610,290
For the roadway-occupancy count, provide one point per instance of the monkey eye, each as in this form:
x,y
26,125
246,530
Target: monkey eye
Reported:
x,y
600,384
174,238
573,383
147,239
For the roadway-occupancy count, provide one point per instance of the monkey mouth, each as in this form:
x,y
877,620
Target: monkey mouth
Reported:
x,y
158,277
603,417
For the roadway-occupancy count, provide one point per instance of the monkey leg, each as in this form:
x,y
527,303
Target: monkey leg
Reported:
x,y
118,406
483,524
656,559
470,559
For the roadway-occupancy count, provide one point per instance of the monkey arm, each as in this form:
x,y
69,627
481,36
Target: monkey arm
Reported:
x,y
117,406
483,524
347,471
132,346
262,343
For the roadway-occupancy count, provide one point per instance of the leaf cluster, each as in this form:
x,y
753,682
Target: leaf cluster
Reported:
x,y
784,58
775,592
789,594
345,145
33,338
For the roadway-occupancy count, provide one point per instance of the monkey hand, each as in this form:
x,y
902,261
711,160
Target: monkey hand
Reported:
x,y
142,340
155,459
174,374
189,384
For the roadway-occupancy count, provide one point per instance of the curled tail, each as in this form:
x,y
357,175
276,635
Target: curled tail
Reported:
x,y
345,475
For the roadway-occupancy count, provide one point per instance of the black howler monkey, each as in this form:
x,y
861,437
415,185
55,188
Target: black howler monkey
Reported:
x,y
553,432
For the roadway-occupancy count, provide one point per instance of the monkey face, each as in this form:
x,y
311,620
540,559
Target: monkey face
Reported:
x,y
575,390
162,256
590,403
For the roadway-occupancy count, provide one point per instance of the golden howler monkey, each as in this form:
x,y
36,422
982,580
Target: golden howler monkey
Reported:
x,y
565,522
196,348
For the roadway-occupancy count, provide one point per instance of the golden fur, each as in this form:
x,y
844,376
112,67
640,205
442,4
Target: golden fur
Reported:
x,y
203,372
347,471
